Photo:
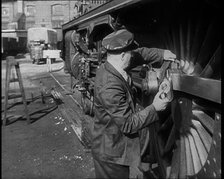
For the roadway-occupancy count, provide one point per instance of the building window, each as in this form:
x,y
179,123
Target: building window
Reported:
x,y
5,11
57,18
30,10
57,10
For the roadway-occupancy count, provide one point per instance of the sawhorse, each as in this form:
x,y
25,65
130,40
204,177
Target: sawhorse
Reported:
x,y
11,62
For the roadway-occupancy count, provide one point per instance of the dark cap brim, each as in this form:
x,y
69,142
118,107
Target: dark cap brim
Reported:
x,y
130,47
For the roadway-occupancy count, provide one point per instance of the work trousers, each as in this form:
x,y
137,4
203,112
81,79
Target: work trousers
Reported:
x,y
110,170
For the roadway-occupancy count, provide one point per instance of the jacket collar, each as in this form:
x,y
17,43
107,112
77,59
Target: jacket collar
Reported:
x,y
112,70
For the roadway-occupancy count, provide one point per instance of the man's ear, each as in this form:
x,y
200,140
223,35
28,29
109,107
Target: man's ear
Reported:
x,y
122,55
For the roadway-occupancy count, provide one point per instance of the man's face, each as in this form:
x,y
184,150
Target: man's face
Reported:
x,y
127,59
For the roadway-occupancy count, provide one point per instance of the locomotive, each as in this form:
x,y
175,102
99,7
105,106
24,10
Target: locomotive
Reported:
x,y
186,141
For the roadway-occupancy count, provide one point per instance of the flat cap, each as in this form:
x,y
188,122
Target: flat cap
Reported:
x,y
119,41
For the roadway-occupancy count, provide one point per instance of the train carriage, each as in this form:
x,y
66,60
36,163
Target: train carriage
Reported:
x,y
186,142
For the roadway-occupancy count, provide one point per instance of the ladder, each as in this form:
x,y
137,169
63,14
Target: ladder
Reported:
x,y
10,63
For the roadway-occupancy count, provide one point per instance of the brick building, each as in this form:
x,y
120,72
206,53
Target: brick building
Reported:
x,y
43,13
20,15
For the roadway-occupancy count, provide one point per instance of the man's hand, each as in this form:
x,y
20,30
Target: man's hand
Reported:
x,y
168,55
158,103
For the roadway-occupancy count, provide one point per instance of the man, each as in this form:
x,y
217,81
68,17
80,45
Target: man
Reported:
x,y
115,144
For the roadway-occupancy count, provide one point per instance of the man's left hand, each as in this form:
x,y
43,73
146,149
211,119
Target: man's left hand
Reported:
x,y
168,55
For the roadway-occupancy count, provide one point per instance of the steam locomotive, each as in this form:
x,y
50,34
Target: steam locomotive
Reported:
x,y
186,142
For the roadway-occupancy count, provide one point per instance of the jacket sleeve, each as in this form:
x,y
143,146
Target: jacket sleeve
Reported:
x,y
117,105
153,56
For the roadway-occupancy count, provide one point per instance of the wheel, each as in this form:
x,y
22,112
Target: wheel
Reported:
x,y
187,137
75,65
87,103
183,140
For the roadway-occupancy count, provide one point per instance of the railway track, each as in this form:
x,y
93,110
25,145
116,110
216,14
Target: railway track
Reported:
x,y
71,109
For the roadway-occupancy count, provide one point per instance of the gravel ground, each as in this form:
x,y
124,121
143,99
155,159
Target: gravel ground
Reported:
x,y
48,147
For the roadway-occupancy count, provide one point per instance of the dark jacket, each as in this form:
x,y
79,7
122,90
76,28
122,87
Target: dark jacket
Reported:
x,y
116,123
